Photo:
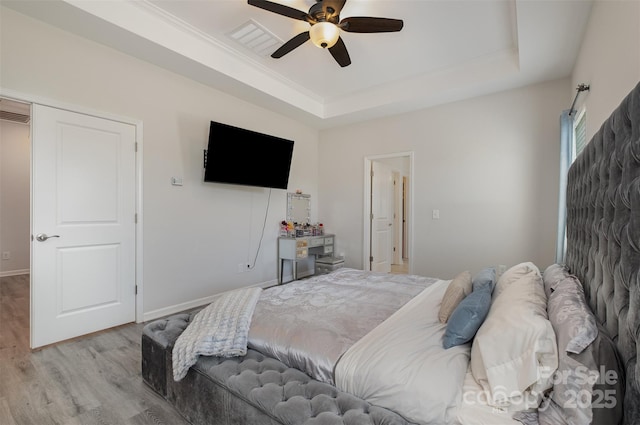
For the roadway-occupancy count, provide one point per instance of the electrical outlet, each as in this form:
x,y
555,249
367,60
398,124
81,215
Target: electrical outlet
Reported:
x,y
6,255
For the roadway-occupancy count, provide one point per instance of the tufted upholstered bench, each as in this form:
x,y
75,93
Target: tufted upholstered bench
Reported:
x,y
253,389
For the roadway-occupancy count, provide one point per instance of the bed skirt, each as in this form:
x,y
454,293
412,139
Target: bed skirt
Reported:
x,y
249,390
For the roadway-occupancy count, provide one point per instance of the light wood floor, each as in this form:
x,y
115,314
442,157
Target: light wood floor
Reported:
x,y
400,268
90,380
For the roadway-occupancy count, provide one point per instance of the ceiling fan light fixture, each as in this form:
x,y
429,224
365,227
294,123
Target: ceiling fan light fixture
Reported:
x,y
326,26
324,34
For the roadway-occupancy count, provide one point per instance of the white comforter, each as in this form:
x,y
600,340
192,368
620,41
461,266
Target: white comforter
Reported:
x,y
426,385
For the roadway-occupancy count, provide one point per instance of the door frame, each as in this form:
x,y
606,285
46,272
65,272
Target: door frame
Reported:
x,y
30,98
366,211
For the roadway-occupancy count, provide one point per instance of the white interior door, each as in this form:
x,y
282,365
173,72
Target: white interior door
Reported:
x,y
381,217
397,218
83,224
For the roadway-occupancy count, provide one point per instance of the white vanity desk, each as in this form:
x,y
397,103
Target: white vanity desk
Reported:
x,y
294,249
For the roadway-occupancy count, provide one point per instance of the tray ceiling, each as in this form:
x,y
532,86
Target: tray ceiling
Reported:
x,y
448,49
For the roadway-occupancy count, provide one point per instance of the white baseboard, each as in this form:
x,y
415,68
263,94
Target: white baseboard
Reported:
x,y
14,272
177,308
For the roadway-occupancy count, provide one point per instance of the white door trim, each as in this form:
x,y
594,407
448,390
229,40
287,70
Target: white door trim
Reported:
x,y
366,243
397,218
30,98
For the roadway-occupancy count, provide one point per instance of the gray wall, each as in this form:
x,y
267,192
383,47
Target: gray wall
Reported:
x,y
609,59
195,235
489,164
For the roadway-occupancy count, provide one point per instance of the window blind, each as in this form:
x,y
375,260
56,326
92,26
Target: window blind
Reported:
x,y
580,133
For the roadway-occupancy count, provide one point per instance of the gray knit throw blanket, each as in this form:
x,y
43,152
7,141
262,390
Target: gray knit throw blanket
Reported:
x,y
220,329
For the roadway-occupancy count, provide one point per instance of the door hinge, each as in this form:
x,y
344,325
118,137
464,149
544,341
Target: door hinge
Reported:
x,y
371,216
135,218
136,290
136,146
371,259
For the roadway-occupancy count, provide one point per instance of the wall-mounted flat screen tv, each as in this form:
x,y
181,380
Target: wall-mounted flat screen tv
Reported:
x,y
244,157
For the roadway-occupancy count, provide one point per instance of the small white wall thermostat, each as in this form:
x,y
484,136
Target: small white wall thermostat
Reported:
x,y
176,181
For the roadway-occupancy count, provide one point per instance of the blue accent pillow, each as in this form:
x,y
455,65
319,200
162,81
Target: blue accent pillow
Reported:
x,y
485,277
466,319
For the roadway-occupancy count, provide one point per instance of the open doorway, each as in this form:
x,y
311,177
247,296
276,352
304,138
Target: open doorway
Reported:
x,y
15,178
387,213
15,181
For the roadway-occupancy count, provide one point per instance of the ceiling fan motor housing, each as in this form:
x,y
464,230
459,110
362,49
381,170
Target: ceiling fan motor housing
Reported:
x,y
317,12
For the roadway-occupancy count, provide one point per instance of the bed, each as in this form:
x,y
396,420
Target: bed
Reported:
x,y
531,346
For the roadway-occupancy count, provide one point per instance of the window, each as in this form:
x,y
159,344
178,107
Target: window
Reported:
x,y
573,139
579,133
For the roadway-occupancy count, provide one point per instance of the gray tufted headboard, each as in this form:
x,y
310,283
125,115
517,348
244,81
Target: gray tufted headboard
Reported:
x,y
603,234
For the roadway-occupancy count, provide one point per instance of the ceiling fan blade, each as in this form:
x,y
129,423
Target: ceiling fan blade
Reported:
x,y
281,9
332,8
340,54
291,44
368,24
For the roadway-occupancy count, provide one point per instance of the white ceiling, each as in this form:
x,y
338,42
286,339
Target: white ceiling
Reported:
x,y
448,49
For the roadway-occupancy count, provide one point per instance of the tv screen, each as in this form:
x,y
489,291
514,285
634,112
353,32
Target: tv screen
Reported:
x,y
244,157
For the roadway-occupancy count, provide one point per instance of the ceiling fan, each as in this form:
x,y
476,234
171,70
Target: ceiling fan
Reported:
x,y
324,18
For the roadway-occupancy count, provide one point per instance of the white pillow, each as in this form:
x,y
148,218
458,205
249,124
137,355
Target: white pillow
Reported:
x,y
514,353
513,274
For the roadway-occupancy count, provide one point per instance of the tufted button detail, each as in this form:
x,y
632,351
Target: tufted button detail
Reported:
x,y
603,239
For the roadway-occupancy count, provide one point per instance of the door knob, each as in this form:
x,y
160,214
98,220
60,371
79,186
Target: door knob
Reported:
x,y
41,237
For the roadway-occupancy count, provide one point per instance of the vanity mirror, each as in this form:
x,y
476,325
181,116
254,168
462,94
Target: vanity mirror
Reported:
x,y
299,208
